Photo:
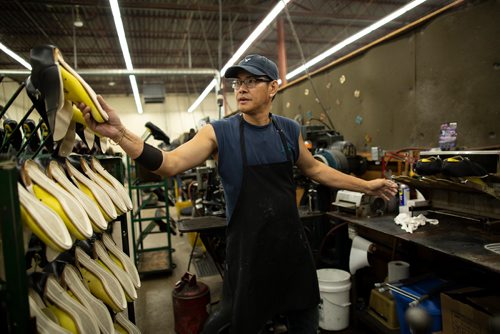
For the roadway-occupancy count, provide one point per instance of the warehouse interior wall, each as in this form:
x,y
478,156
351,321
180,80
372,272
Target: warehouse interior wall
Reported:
x,y
396,94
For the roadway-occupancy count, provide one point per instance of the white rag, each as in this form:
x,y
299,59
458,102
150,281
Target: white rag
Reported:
x,y
410,224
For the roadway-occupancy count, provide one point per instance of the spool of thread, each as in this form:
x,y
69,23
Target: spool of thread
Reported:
x,y
397,270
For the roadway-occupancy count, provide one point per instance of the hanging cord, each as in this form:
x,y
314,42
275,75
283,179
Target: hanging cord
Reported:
x,y
203,31
301,51
220,35
299,46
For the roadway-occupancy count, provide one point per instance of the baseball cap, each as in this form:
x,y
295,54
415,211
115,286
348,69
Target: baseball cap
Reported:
x,y
254,64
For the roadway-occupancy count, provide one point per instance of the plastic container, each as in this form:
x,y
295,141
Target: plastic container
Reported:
x,y
334,287
432,305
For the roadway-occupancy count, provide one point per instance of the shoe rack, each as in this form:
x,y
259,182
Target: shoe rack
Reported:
x,y
152,244
20,141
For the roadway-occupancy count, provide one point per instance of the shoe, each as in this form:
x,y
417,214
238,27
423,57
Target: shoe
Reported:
x,y
121,259
459,166
123,277
108,188
46,321
85,134
124,326
66,145
13,133
70,117
93,191
47,139
43,221
56,172
58,199
71,314
63,119
46,78
77,90
31,135
73,281
101,282
428,166
99,170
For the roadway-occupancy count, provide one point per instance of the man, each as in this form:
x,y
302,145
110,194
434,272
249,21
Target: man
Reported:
x,y
269,266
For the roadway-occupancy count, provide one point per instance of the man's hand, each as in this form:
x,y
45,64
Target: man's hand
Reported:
x,y
113,128
382,188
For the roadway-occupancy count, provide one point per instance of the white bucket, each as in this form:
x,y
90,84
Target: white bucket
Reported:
x,y
334,287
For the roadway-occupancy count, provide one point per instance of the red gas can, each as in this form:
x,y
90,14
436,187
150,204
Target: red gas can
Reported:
x,y
191,301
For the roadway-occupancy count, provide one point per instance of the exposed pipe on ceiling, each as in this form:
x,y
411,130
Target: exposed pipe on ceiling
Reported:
x,y
137,71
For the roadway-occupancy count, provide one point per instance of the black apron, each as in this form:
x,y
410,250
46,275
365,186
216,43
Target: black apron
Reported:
x,y
269,264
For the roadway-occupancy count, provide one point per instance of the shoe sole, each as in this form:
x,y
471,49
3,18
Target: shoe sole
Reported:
x,y
122,259
56,172
44,324
67,144
127,327
74,283
97,167
58,199
123,277
43,221
108,188
63,119
92,190
101,283
72,315
73,81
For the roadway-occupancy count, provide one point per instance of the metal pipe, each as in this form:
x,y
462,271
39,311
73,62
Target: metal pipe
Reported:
x,y
139,71
402,292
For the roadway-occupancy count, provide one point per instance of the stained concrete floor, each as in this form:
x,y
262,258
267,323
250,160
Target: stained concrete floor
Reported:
x,y
153,307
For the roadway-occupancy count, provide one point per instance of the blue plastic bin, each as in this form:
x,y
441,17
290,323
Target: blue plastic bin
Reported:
x,y
431,305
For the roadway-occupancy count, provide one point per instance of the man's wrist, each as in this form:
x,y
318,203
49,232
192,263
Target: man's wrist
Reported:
x,y
119,137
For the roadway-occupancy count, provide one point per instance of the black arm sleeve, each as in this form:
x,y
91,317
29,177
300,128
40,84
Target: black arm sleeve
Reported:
x,y
151,158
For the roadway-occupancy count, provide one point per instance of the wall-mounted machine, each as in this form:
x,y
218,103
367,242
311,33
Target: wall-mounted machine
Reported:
x,y
329,147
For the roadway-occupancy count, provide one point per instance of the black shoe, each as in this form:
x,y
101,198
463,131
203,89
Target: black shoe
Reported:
x,y
459,166
15,138
428,166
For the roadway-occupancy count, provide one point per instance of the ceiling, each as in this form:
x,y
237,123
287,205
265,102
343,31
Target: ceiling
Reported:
x,y
182,34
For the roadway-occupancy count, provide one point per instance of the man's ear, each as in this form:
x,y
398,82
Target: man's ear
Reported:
x,y
273,88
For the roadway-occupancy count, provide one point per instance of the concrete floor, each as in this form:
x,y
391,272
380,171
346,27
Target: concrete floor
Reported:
x,y
153,307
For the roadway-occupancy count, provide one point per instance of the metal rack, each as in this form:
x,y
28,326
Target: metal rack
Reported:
x,y
149,259
15,313
14,290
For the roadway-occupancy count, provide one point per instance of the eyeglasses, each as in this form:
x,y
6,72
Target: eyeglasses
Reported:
x,y
248,82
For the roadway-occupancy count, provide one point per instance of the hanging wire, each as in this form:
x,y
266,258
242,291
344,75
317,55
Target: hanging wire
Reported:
x,y
220,35
203,31
303,59
299,47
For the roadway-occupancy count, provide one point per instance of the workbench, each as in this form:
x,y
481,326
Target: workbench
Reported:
x,y
456,241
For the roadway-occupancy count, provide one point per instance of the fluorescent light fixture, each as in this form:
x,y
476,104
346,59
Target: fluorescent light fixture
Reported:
x,y
15,56
354,38
115,9
246,44
202,96
255,34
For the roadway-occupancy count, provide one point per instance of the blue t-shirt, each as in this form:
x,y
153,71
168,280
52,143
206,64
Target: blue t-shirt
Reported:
x,y
263,146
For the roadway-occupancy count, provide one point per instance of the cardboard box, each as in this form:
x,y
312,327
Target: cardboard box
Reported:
x,y
468,311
